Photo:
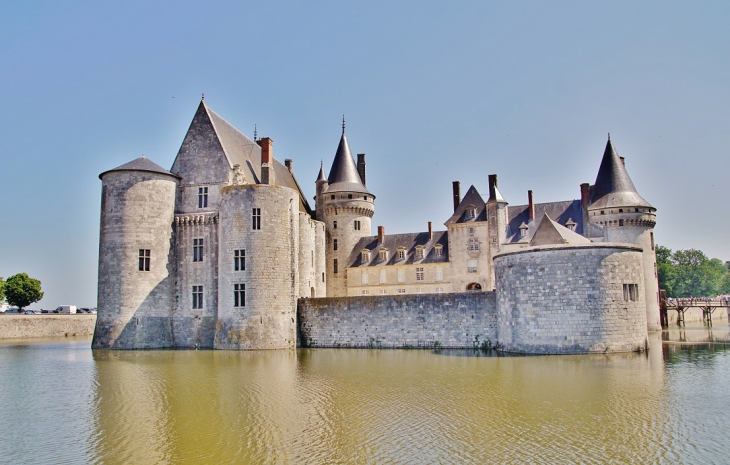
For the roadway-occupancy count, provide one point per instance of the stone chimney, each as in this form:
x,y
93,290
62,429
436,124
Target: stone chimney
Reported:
x,y
430,231
457,193
267,157
530,206
492,186
361,167
585,200
381,234
287,163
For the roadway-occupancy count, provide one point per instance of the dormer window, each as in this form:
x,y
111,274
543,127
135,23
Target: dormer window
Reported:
x,y
419,252
523,230
470,213
571,224
438,251
365,256
383,255
401,253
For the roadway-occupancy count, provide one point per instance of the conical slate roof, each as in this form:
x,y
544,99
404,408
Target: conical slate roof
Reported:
x,y
140,164
552,233
613,186
322,176
343,174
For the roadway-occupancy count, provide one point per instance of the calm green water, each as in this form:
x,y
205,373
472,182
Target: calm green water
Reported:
x,y
62,403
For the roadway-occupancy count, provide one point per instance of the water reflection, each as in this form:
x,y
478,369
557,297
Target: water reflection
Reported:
x,y
365,406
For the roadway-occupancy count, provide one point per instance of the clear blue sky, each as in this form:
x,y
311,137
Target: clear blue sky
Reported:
x,y
432,91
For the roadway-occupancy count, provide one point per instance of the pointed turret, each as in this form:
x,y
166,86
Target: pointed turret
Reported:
x,y
344,176
613,186
322,176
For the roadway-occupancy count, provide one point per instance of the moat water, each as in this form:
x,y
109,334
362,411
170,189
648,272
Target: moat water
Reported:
x,y
61,402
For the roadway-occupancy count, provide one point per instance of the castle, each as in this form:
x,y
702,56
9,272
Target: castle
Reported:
x,y
224,251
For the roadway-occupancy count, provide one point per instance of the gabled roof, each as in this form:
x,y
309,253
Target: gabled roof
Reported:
x,y
140,164
238,150
409,241
613,186
551,233
344,176
471,198
561,211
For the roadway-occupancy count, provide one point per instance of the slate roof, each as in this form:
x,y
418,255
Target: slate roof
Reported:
x,y
550,232
140,164
613,186
561,211
471,198
344,176
393,241
240,150
322,176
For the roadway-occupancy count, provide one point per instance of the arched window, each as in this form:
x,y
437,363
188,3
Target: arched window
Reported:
x,y
473,287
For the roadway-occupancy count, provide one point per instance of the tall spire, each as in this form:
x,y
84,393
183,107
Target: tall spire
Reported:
x,y
344,176
322,176
613,186
343,125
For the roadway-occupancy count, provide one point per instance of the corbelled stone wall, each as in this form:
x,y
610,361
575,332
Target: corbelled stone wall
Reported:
x,y
570,299
462,320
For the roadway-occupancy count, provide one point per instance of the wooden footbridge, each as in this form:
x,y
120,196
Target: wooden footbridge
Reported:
x,y
708,305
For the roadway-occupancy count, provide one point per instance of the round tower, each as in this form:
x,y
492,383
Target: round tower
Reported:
x,y
346,207
136,287
626,217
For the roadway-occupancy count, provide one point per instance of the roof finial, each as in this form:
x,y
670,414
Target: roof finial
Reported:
x,y
609,136
343,124
255,134
203,97
321,163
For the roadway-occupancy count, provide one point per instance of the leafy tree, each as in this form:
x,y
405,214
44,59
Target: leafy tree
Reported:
x,y
697,276
725,284
21,290
665,269
2,289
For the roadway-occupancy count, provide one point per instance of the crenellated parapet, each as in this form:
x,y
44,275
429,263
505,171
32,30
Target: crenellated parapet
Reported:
x,y
355,211
196,219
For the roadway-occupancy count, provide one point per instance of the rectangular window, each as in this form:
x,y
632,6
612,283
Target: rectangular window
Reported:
x,y
439,290
334,244
471,231
365,292
383,292
631,292
382,276
256,219
439,274
322,277
473,244
239,260
364,277
332,197
357,225
197,297
401,291
401,276
202,197
334,225
438,252
144,259
334,269
651,235
471,266
239,295
349,196
419,290
419,274
198,250
419,253
401,254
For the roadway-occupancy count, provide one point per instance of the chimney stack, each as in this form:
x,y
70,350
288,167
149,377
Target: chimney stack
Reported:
x,y
530,205
361,167
287,163
585,200
381,234
430,231
492,186
623,161
457,194
267,155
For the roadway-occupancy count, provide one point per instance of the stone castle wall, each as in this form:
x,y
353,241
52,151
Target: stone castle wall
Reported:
x,y
462,320
570,299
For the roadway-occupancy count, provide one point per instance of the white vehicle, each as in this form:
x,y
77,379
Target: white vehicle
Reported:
x,y
66,309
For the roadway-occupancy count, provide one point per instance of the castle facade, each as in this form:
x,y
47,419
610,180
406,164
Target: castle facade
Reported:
x,y
218,251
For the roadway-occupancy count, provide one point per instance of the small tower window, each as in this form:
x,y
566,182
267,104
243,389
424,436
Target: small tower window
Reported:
x,y
239,295
202,197
334,244
239,260
651,236
357,225
620,222
256,219
332,197
197,297
349,196
144,259
473,245
472,231
334,266
198,250
334,225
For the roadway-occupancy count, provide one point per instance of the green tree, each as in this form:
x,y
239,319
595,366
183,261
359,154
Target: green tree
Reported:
x,y
21,290
665,269
2,289
725,284
697,276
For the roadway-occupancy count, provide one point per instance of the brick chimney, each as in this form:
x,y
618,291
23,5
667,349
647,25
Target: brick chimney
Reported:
x,y
585,200
287,163
430,230
457,193
492,186
530,206
361,167
381,234
267,156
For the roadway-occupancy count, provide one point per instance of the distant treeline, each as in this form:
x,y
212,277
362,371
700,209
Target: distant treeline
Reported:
x,y
689,273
